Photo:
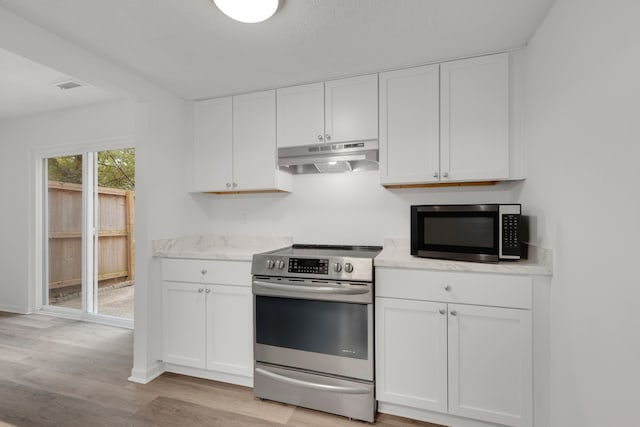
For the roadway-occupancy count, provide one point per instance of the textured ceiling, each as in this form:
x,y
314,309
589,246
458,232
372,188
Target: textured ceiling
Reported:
x,y
190,48
27,87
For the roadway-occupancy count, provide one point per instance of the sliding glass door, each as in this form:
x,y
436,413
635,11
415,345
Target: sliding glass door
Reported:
x,y
89,222
65,237
114,199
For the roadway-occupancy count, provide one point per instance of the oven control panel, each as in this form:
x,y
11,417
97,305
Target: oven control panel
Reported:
x,y
308,265
314,265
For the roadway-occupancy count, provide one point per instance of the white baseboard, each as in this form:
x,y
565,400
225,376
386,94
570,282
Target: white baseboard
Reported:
x,y
73,314
224,377
431,417
14,309
145,376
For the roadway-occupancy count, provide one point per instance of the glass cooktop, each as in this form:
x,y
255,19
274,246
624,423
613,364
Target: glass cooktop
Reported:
x,y
328,251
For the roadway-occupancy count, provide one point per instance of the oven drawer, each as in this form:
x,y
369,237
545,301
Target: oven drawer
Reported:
x,y
463,288
207,271
353,399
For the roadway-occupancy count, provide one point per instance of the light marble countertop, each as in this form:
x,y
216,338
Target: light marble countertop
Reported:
x,y
397,253
218,247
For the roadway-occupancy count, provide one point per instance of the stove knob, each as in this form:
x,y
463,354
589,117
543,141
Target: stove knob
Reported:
x,y
270,264
280,264
348,267
337,267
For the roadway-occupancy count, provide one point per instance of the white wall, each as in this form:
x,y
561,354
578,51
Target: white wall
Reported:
x,y
583,147
583,133
350,208
163,208
20,138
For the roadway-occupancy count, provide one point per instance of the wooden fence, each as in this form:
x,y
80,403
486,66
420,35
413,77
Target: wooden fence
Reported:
x,y
115,235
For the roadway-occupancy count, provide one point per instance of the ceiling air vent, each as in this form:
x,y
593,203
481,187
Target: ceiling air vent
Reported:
x,y
68,84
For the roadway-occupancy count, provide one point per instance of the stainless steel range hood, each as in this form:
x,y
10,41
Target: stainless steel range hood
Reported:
x,y
330,158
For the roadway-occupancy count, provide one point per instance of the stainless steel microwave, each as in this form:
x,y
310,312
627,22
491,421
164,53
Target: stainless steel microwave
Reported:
x,y
480,233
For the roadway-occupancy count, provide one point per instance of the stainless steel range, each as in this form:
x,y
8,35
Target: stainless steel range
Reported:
x,y
313,328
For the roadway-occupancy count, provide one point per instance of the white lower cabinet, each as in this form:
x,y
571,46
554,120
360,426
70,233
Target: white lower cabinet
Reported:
x,y
490,366
411,353
230,330
208,326
184,324
449,362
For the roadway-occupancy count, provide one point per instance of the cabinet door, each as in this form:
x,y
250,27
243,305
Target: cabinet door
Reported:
x,y
410,125
230,329
490,371
212,144
300,115
351,109
475,118
184,324
411,353
254,141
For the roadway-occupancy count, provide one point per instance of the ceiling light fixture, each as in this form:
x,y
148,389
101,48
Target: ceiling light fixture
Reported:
x,y
248,11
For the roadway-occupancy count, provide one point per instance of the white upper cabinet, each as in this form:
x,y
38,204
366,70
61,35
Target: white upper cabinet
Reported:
x,y
475,118
351,109
235,145
254,141
448,122
336,111
459,121
300,115
410,125
213,145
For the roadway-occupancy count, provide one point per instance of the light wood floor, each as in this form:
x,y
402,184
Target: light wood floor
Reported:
x,y
58,372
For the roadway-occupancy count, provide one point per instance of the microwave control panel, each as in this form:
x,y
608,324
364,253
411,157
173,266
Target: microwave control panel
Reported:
x,y
510,234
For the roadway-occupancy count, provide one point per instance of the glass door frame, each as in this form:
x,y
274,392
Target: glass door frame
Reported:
x,y
89,233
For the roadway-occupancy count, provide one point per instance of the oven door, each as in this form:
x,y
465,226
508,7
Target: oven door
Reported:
x,y
324,327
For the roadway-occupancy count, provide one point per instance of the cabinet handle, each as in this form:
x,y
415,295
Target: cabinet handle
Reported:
x,y
208,291
454,313
445,174
327,137
435,174
234,185
320,137
441,311
203,271
201,290
228,184
447,288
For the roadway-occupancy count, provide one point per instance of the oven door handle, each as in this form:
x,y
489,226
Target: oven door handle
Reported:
x,y
351,290
311,385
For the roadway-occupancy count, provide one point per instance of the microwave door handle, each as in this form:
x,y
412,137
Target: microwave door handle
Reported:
x,y
312,385
352,290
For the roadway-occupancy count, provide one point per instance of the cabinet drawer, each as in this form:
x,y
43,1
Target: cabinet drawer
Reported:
x,y
207,271
464,288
